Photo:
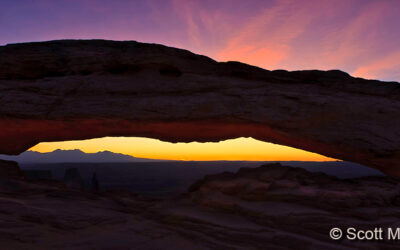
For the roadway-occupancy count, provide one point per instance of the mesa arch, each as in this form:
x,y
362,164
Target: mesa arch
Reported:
x,y
82,89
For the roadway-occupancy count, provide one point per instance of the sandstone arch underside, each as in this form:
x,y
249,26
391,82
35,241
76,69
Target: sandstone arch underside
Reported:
x,y
79,89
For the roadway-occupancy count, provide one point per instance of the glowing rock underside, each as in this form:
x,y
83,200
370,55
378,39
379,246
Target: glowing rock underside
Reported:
x,y
64,90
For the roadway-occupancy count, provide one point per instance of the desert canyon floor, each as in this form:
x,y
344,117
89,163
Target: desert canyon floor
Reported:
x,y
270,207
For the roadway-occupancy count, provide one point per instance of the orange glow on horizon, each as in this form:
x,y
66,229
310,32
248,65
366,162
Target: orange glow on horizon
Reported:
x,y
240,149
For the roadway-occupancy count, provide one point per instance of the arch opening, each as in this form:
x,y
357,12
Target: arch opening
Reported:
x,y
238,149
154,167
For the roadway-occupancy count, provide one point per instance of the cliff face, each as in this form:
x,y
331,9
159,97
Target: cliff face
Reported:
x,y
63,90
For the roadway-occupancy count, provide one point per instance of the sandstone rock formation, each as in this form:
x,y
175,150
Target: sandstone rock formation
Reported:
x,y
63,90
277,183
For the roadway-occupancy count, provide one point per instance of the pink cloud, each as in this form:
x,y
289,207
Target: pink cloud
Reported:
x,y
353,36
266,40
313,35
355,41
385,67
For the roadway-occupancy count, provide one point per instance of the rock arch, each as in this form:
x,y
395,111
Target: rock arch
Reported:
x,y
81,89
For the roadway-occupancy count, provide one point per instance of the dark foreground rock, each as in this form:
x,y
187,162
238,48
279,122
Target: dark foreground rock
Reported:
x,y
273,182
271,207
67,90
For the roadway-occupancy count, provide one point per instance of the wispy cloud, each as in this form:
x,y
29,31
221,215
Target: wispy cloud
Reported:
x,y
355,40
354,36
386,67
318,35
265,40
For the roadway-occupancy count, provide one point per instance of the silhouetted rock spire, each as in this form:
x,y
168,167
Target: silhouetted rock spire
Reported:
x,y
73,179
95,183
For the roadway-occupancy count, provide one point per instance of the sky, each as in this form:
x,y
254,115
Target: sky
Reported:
x,y
361,37
234,149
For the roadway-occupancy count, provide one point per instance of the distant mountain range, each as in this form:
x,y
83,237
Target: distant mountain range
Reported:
x,y
73,156
336,168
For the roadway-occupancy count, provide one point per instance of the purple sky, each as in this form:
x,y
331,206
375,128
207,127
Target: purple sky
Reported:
x,y
361,37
